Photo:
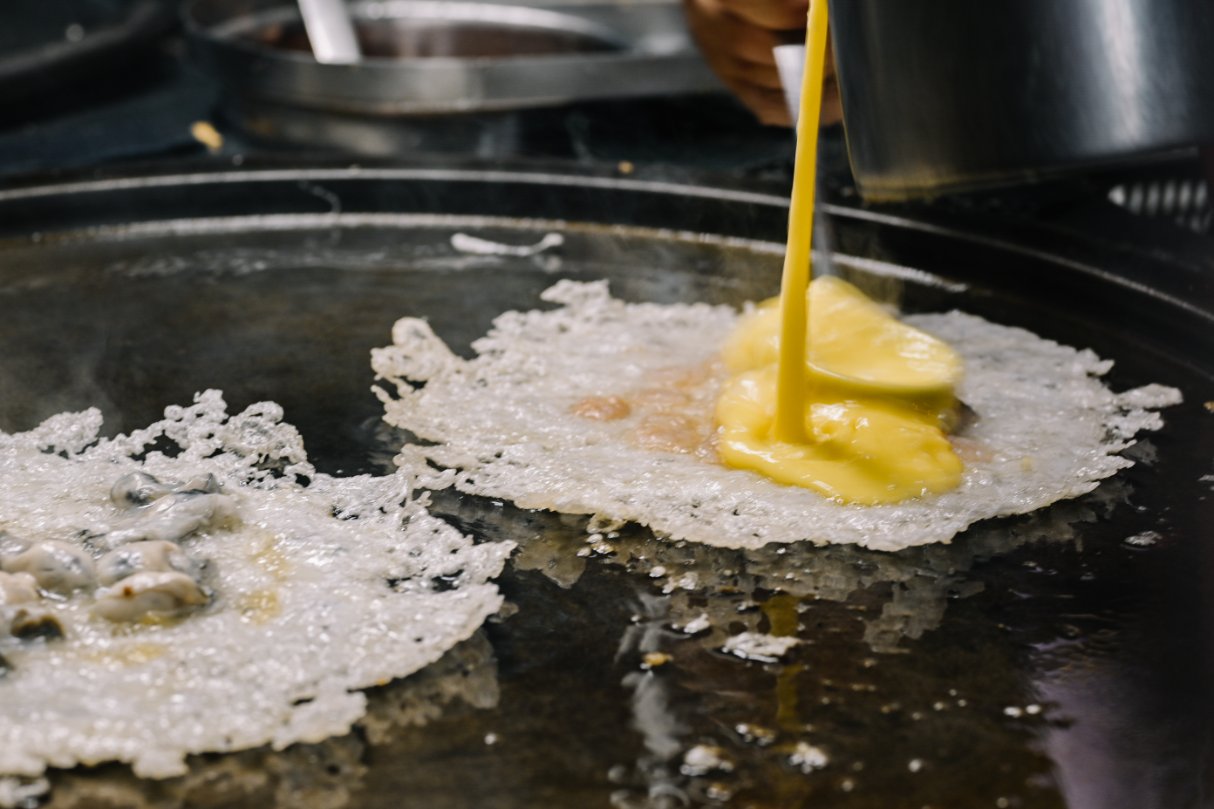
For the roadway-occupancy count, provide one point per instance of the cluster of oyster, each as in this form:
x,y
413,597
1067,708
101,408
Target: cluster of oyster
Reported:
x,y
131,573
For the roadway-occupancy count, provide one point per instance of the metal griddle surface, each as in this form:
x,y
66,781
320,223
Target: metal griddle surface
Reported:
x,y
1035,662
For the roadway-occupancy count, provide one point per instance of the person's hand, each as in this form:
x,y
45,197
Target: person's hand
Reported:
x,y
737,37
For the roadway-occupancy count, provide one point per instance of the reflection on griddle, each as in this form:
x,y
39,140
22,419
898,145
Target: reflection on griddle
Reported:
x,y
917,583
782,590
712,726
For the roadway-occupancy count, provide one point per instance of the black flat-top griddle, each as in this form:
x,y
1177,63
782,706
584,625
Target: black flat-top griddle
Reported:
x,y
1059,659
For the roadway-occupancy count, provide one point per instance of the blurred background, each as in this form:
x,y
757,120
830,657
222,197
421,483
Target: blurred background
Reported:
x,y
617,83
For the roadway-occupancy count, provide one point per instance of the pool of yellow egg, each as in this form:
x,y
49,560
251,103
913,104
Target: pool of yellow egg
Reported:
x,y
879,401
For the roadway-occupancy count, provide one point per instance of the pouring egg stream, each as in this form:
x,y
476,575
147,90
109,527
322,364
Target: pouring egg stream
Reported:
x,y
827,391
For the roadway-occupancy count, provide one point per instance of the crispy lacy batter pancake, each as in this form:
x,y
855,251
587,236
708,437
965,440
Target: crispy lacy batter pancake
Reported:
x,y
603,407
278,592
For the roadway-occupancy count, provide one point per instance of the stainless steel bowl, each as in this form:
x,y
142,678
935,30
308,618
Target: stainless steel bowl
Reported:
x,y
947,94
424,57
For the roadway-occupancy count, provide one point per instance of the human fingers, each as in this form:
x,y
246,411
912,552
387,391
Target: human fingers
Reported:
x,y
773,15
719,33
740,53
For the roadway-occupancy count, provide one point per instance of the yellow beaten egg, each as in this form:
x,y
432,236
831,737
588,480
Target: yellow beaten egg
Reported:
x,y
852,345
878,393
828,391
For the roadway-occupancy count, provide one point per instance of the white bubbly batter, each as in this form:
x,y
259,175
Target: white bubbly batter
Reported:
x,y
514,423
317,587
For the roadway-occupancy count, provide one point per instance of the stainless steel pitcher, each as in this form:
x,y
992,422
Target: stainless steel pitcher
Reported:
x,y
943,95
